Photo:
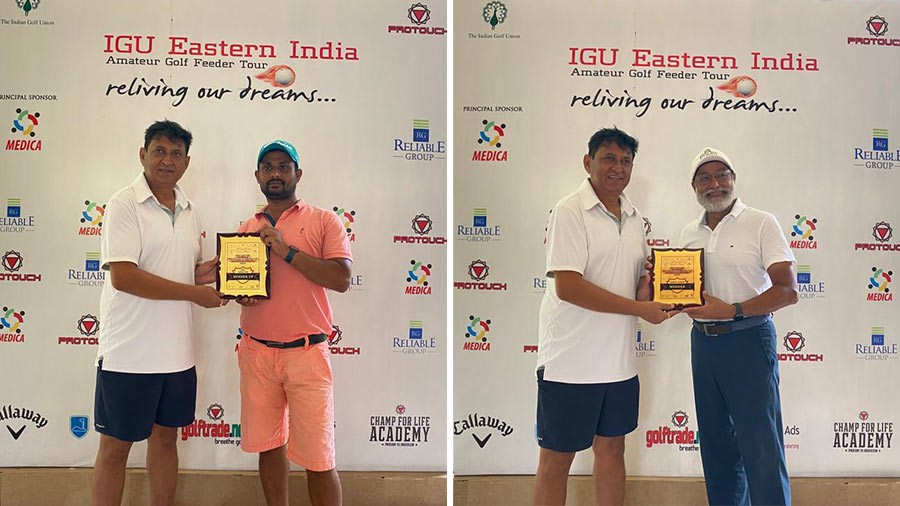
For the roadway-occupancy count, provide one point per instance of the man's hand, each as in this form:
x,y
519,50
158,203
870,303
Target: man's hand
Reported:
x,y
205,272
714,309
207,297
643,289
246,301
272,238
656,312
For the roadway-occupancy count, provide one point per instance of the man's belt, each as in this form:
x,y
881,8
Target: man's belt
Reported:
x,y
713,329
313,339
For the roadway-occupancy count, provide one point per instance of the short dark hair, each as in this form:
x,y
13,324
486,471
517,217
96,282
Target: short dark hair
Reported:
x,y
607,135
171,130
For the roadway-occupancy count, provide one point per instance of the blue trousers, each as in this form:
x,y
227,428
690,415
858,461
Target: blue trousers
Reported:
x,y
739,416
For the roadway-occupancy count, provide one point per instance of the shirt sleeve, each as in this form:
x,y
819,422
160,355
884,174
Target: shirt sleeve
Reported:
x,y
566,241
774,247
335,243
121,239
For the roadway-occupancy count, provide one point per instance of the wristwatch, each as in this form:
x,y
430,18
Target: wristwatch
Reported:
x,y
290,254
738,311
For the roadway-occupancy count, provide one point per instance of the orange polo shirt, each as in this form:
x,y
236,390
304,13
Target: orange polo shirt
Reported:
x,y
297,307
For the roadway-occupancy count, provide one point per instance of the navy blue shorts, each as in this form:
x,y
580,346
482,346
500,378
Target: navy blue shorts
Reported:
x,y
569,415
126,405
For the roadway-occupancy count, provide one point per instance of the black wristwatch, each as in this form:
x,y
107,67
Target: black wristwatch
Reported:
x,y
290,254
738,311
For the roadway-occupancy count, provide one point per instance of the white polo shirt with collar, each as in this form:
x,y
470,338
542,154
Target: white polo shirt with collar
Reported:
x,y
577,345
738,253
139,335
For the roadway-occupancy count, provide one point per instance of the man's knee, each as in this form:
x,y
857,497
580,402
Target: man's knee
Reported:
x,y
554,463
609,447
163,437
113,450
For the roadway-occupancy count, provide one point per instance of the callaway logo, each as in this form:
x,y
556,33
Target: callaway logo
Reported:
x,y
15,434
481,442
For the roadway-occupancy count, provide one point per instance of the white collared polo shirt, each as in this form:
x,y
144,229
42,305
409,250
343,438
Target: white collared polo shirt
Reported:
x,y
577,345
139,335
738,253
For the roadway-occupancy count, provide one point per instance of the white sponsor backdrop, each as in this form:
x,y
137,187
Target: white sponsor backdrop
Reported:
x,y
801,155
72,68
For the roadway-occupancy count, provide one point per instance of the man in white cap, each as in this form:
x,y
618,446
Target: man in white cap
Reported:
x,y
749,273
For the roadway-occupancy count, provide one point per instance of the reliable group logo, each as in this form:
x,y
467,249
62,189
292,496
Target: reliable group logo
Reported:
x,y
476,334
876,348
490,139
421,226
802,230
417,278
336,337
419,15
478,271
480,231
539,284
88,326
877,28
883,233
805,286
91,275
880,156
644,346
14,221
11,325
880,286
421,147
794,342
17,418
682,436
348,218
863,436
92,218
24,129
12,262
399,429
216,429
654,242
415,342
79,426
482,428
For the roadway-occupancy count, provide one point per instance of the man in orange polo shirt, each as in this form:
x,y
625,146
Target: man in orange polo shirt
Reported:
x,y
287,406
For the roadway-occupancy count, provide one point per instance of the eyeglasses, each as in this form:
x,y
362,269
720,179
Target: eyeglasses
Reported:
x,y
723,176
610,160
284,168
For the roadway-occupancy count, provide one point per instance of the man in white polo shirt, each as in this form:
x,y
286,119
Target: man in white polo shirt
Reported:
x,y
749,273
587,377
146,381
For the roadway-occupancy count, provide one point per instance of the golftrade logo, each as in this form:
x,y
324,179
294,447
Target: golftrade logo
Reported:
x,y
686,439
421,225
418,14
794,342
478,271
222,432
882,232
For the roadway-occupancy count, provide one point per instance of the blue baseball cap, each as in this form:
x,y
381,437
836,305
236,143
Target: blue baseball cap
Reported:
x,y
279,144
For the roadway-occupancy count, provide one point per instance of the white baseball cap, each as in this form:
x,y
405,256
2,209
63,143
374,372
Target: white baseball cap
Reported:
x,y
709,154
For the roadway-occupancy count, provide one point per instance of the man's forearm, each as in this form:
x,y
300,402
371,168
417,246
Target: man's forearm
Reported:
x,y
127,277
331,274
773,299
574,289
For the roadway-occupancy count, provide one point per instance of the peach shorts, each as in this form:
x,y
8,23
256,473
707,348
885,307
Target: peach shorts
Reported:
x,y
286,397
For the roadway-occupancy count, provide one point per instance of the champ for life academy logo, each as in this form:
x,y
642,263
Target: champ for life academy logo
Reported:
x,y
24,130
13,220
490,140
882,232
91,218
807,288
419,15
421,148
88,326
481,230
348,219
478,271
644,346
803,232
11,325
421,226
880,156
17,418
399,429
417,276
679,434
794,342
335,338
415,342
12,262
864,435
217,429
476,334
91,275
482,428
876,348
880,285
877,28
